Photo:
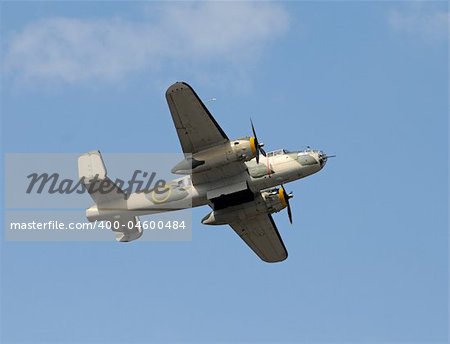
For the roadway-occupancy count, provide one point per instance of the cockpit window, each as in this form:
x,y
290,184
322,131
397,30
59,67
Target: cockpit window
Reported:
x,y
278,152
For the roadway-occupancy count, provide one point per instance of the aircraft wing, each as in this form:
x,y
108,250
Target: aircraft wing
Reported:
x,y
261,234
196,127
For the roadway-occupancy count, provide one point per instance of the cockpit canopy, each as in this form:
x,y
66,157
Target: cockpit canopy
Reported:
x,y
277,152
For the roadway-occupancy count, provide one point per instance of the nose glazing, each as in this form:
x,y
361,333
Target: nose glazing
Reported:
x,y
322,158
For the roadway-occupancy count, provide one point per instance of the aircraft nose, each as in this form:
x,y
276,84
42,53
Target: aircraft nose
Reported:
x,y
322,158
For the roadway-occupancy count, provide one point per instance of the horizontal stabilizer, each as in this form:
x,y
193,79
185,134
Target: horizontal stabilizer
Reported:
x,y
127,227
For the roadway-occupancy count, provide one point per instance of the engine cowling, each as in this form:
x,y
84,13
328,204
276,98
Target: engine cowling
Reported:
x,y
272,201
237,150
275,200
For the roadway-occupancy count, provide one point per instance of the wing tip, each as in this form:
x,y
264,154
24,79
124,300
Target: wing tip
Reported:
x,y
276,260
182,85
178,86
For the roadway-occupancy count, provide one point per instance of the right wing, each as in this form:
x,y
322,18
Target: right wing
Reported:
x,y
261,234
196,127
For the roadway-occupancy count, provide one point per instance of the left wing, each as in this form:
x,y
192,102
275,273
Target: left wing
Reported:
x,y
196,127
261,234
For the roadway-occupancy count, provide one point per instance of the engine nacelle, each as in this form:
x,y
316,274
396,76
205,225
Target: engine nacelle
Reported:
x,y
237,150
273,201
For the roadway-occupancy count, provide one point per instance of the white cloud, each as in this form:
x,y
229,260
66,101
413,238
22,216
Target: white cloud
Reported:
x,y
78,50
423,20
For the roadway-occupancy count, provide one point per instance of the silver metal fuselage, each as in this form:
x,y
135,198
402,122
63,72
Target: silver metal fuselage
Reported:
x,y
279,167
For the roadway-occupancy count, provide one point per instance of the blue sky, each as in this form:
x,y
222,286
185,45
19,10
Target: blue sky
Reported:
x,y
368,251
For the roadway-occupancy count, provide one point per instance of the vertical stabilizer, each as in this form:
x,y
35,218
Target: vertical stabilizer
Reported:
x,y
110,200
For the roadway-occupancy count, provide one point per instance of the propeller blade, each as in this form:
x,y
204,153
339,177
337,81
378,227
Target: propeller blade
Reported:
x,y
253,128
256,141
257,144
263,152
289,213
287,197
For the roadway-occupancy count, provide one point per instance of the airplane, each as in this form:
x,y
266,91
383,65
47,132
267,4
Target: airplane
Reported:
x,y
240,181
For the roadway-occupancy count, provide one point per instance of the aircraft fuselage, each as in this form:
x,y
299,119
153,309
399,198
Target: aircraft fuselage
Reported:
x,y
278,167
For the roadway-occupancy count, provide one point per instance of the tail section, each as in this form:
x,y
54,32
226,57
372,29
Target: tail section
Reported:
x,y
110,200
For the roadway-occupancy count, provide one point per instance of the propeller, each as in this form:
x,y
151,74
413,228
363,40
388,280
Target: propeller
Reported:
x,y
258,146
287,197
